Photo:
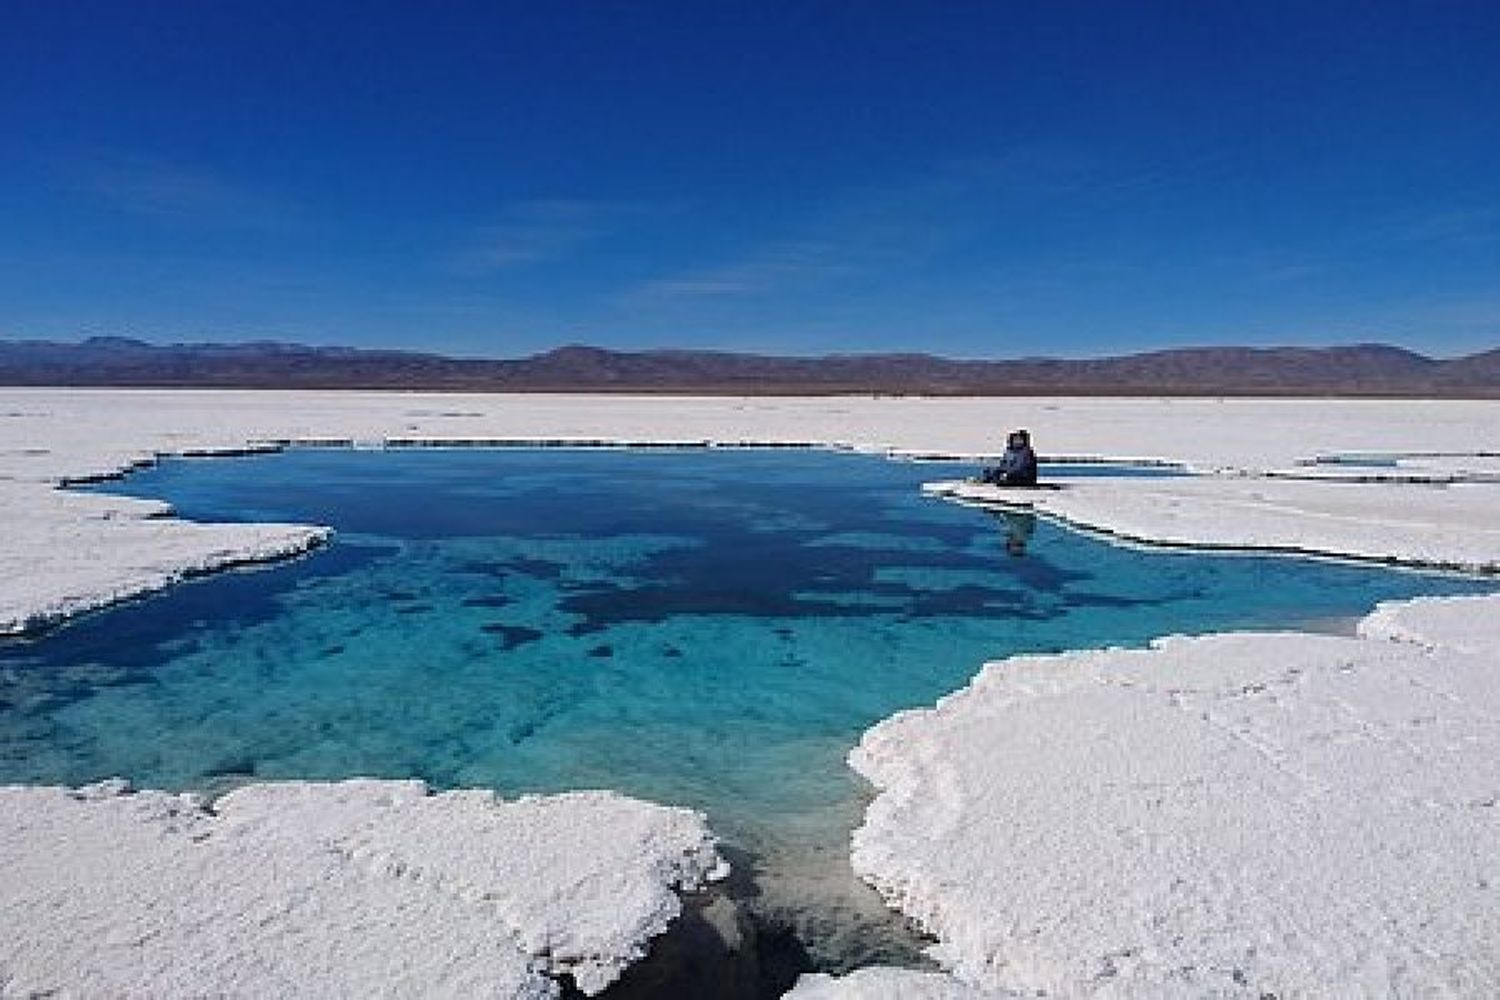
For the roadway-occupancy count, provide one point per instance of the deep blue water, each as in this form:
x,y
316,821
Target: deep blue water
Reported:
x,y
712,629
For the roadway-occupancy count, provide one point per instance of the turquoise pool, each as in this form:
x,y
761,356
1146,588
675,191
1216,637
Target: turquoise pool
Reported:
x,y
708,628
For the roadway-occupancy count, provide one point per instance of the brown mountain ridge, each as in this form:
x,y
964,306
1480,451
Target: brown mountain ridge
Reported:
x,y
1374,370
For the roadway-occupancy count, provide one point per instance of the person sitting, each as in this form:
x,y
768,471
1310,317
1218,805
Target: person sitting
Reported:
x,y
1017,466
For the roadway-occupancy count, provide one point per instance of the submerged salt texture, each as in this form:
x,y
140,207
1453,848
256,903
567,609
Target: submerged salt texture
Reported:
x,y
711,629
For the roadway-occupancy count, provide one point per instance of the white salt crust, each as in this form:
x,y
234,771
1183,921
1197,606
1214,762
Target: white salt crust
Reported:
x,y
64,552
881,983
1453,526
1229,815
357,888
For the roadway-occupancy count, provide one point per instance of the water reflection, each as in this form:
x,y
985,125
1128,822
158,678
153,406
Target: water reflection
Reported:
x,y
1018,527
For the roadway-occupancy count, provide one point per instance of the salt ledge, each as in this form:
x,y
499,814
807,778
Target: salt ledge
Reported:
x,y
65,553
1451,526
355,888
1229,815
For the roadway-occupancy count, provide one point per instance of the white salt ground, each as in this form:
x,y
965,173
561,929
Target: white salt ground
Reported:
x,y
359,888
47,433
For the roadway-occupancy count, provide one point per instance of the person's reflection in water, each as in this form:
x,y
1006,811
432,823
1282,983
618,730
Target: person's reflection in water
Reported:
x,y
1019,527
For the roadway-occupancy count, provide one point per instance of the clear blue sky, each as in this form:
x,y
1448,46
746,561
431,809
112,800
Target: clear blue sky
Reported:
x,y
970,178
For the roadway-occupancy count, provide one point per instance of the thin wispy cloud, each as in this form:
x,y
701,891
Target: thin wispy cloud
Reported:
x,y
886,232
776,267
1476,315
692,288
177,193
1265,266
857,233
536,231
1469,226
986,249
1289,273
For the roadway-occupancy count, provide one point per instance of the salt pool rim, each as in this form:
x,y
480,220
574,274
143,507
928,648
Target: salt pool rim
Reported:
x,y
1142,543
40,626
1127,540
273,446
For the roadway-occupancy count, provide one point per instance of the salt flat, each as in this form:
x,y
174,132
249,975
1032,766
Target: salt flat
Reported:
x,y
1212,816
48,433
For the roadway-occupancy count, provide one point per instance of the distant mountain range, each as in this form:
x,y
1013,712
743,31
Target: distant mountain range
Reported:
x,y
1360,370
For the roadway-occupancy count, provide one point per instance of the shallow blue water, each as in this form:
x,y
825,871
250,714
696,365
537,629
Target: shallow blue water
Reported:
x,y
712,629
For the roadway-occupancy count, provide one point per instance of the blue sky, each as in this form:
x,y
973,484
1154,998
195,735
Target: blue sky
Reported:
x,y
969,178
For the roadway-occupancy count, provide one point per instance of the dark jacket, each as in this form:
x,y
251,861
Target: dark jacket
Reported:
x,y
1017,466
